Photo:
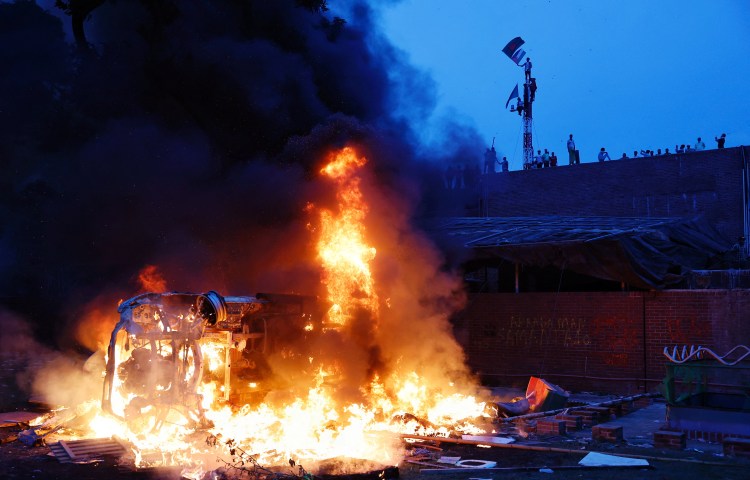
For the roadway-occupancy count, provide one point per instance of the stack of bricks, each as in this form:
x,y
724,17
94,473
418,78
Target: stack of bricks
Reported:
x,y
550,426
670,440
736,447
607,433
588,417
572,422
711,437
603,413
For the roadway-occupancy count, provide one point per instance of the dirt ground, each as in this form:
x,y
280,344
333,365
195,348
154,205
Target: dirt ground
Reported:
x,y
18,461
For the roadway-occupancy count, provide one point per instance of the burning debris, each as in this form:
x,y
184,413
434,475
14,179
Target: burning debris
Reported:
x,y
541,396
45,425
274,377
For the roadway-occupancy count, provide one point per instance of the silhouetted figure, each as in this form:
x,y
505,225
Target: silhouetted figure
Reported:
x,y
635,153
720,140
532,89
666,151
699,145
537,159
680,149
624,156
603,155
527,69
519,106
545,158
658,151
490,159
504,164
572,159
553,160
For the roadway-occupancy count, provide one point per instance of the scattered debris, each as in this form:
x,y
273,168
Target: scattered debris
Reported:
x,y
595,459
541,396
407,418
11,419
488,439
88,450
476,463
449,460
30,438
34,436
425,464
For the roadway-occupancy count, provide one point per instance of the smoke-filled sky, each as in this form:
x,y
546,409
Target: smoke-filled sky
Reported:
x,y
185,138
188,135
625,76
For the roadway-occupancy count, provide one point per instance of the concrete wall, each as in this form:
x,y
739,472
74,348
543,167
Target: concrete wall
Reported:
x,y
599,341
685,185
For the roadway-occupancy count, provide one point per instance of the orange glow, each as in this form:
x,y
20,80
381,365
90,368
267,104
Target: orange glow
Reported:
x,y
344,253
338,410
151,279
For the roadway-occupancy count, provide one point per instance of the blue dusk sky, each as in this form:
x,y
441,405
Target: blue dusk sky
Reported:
x,y
624,75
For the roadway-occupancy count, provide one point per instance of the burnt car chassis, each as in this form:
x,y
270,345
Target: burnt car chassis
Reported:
x,y
156,358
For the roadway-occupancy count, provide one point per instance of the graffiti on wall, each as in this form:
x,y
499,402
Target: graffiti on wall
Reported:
x,y
520,331
611,334
687,331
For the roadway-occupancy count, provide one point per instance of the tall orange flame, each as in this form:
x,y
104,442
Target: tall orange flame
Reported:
x,y
342,247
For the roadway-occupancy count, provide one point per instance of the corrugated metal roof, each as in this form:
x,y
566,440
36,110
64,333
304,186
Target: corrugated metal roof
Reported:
x,y
645,252
498,231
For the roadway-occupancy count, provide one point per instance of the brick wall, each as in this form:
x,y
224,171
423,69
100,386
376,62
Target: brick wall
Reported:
x,y
685,185
594,341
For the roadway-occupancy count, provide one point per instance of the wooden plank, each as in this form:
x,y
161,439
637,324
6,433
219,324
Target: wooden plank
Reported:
x,y
67,451
59,452
12,418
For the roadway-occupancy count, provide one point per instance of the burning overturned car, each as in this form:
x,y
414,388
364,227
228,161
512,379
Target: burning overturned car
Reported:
x,y
172,354
289,377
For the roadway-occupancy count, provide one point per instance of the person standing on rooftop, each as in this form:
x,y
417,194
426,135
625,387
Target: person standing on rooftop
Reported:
x,y
571,150
699,145
720,140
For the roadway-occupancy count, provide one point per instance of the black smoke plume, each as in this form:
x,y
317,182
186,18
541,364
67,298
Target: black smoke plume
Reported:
x,y
187,135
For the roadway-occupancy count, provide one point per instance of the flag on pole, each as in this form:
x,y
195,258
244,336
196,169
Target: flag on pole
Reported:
x,y
513,94
518,56
512,46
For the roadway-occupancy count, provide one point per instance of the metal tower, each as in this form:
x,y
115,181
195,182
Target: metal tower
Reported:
x,y
527,115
